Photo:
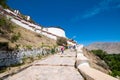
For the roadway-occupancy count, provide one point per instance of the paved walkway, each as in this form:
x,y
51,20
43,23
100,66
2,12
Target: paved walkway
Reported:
x,y
55,67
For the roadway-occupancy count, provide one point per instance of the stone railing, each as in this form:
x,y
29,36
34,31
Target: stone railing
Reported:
x,y
82,63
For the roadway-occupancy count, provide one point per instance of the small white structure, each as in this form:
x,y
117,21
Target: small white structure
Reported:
x,y
16,12
28,18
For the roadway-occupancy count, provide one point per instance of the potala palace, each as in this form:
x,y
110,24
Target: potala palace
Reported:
x,y
50,32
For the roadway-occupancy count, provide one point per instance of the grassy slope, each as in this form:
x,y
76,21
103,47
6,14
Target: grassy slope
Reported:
x,y
27,37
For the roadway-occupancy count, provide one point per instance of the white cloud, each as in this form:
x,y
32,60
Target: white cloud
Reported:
x,y
102,6
91,13
118,6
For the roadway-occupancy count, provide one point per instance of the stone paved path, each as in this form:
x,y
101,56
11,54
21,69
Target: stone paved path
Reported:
x,y
55,67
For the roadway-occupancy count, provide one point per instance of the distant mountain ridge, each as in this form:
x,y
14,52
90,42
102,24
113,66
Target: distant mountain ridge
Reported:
x,y
109,47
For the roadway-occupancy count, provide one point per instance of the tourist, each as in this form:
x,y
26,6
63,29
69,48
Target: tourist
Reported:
x,y
74,47
62,49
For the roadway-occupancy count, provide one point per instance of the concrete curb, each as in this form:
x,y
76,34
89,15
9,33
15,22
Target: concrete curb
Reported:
x,y
82,64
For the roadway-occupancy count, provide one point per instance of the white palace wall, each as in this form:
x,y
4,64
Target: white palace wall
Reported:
x,y
57,31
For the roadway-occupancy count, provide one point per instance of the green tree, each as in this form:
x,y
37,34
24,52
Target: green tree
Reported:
x,y
112,60
99,53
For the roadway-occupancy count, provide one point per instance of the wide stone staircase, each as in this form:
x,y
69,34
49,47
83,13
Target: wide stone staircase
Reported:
x,y
55,67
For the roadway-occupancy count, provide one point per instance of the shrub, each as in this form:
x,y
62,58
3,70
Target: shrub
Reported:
x,y
3,3
3,69
53,50
39,56
3,45
39,35
29,47
2,21
27,59
16,65
62,41
115,73
42,45
17,46
15,37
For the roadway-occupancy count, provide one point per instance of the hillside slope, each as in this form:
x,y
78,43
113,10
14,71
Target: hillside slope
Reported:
x,y
96,62
18,37
109,47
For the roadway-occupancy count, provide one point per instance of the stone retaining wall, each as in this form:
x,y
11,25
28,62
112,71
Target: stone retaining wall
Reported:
x,y
14,57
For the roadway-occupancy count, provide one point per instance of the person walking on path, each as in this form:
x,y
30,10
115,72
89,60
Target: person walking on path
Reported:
x,y
62,49
74,47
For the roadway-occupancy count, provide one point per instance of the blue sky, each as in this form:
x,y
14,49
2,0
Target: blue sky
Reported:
x,y
86,21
